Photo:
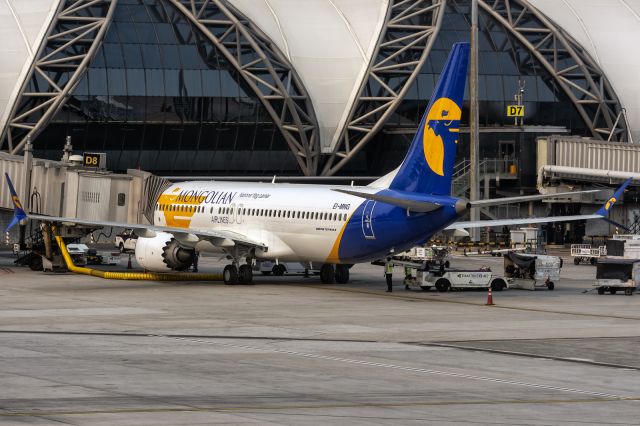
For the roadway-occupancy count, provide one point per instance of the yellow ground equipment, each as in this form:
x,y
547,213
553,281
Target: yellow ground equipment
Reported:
x,y
146,276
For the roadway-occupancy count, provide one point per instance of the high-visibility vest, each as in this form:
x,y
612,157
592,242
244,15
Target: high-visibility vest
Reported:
x,y
389,269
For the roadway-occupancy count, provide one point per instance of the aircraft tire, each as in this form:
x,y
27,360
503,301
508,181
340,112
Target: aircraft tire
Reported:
x,y
245,274
342,274
230,275
327,274
278,270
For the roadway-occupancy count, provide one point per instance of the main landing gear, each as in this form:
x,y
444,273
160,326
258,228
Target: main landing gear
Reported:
x,y
330,274
234,275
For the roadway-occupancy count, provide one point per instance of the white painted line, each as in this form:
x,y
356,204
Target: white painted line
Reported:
x,y
411,369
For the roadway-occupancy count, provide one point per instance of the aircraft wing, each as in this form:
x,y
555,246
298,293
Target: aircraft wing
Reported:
x,y
217,238
520,221
602,213
513,200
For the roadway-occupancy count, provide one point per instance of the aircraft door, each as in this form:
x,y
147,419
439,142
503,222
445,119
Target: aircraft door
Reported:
x,y
232,216
240,212
367,220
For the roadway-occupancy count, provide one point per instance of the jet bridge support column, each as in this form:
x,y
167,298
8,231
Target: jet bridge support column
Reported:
x,y
474,179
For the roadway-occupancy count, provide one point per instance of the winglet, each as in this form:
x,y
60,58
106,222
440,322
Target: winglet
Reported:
x,y
604,210
18,212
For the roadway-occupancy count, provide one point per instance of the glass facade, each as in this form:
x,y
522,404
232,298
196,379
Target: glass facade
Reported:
x,y
159,96
502,63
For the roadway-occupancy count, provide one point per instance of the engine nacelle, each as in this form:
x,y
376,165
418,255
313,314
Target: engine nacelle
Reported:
x,y
163,253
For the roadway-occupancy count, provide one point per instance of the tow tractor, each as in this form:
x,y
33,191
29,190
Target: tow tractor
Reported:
x,y
448,279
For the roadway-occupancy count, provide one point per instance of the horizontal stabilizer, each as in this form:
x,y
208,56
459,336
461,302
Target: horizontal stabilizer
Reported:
x,y
412,205
513,200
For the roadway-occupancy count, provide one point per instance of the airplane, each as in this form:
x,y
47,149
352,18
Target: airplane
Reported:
x,y
330,226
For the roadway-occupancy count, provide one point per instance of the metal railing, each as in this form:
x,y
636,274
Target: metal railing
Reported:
x,y
488,168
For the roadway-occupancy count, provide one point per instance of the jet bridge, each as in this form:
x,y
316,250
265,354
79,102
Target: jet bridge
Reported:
x,y
70,188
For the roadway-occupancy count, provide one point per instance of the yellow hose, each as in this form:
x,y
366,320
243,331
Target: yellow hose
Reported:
x,y
147,276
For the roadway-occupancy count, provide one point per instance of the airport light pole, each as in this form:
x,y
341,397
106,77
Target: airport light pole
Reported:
x,y
474,134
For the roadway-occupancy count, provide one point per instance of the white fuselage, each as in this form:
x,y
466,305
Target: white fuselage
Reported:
x,y
295,222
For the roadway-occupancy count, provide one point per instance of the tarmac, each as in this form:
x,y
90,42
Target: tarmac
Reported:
x,y
291,351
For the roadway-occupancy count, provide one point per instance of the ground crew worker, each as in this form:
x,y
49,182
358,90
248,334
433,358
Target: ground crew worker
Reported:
x,y
408,274
388,273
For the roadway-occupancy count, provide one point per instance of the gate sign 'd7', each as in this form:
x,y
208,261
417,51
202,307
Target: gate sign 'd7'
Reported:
x,y
515,111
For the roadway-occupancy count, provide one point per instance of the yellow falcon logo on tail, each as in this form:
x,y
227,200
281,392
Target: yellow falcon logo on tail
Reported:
x,y
443,111
610,203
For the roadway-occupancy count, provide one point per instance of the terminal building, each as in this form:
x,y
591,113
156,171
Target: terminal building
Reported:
x,y
325,88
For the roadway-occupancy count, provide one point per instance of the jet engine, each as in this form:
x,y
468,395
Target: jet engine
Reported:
x,y
163,253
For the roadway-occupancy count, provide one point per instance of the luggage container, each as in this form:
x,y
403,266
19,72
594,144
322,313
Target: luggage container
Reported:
x,y
529,271
613,275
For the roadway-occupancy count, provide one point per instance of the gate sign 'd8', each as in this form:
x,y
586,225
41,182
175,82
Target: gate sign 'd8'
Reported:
x,y
515,111
94,159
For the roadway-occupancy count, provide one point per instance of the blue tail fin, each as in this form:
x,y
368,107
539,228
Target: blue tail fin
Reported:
x,y
18,211
428,166
604,210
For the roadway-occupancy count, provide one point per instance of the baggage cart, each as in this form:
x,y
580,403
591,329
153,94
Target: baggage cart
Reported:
x,y
617,274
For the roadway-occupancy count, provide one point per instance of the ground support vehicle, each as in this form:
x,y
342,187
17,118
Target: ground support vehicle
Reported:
x,y
449,279
126,240
584,253
529,271
267,267
433,256
617,274
81,254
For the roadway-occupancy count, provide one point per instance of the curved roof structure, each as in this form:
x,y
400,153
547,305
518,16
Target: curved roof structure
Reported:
x,y
329,42
24,24
610,31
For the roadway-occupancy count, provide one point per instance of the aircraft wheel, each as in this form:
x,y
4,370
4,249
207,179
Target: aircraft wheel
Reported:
x,y
230,275
628,291
576,260
342,274
327,274
443,285
245,274
551,285
613,290
278,270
